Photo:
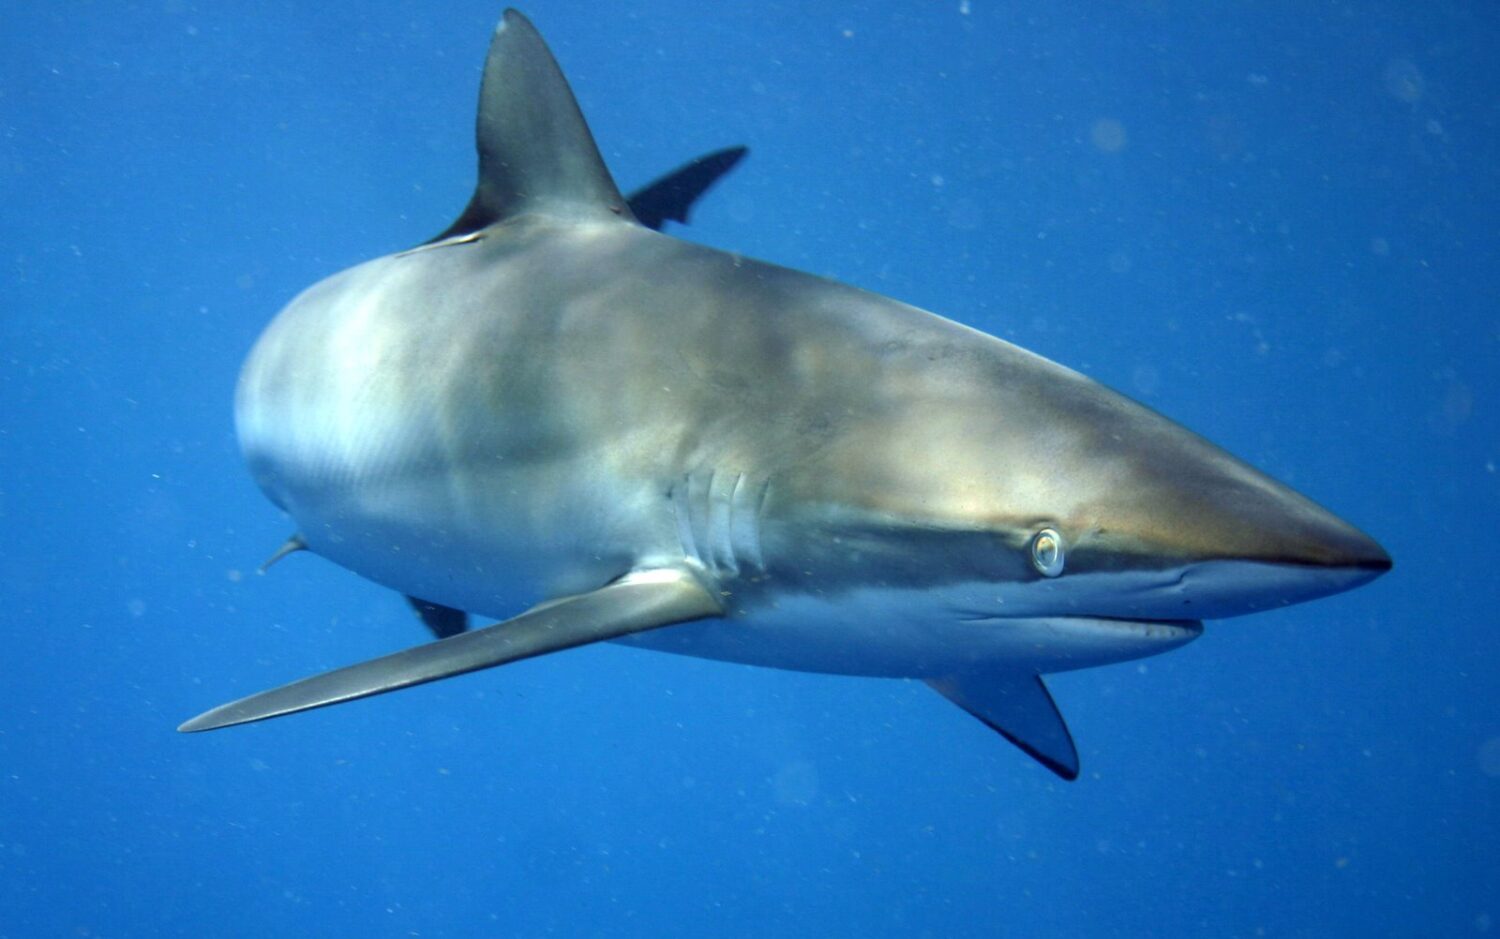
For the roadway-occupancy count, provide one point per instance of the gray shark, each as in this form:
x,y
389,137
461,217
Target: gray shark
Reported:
x,y
692,451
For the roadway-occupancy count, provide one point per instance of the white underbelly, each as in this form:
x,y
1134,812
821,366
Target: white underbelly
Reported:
x,y
492,547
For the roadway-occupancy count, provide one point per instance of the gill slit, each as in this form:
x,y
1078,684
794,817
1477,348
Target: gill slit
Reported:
x,y
718,515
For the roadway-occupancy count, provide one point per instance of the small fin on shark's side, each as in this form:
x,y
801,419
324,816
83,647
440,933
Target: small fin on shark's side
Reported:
x,y
635,603
290,546
444,621
536,153
670,198
1021,709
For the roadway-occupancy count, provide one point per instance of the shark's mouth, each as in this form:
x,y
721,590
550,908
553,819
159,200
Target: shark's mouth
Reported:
x,y
1178,630
1061,643
1190,625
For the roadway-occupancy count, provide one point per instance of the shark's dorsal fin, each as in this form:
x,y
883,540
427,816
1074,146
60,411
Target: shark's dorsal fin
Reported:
x,y
536,153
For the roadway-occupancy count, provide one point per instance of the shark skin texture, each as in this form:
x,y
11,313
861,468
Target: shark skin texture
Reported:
x,y
686,450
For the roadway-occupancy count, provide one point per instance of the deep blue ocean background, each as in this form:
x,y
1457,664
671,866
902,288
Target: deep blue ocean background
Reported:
x,y
1274,222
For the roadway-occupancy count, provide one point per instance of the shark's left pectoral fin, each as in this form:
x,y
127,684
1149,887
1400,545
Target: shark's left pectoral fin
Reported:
x,y
641,601
1021,709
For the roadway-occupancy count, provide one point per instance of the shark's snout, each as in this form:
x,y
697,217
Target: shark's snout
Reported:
x,y
1228,540
1163,524
1260,519
1329,548
1278,552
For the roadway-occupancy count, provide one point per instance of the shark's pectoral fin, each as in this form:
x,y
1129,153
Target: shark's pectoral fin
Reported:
x,y
444,621
641,601
1020,708
670,198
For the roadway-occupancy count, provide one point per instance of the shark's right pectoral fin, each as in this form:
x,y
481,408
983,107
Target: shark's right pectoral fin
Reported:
x,y
641,601
1021,709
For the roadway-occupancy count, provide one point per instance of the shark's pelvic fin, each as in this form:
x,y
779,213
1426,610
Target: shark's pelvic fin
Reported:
x,y
670,198
291,546
641,601
1021,709
444,621
536,153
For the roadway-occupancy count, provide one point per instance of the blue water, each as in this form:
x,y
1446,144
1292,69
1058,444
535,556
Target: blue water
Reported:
x,y
1274,222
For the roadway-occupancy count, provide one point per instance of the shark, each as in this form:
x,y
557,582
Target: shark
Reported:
x,y
687,450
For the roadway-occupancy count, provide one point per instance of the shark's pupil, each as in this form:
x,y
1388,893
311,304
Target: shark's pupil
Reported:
x,y
1047,552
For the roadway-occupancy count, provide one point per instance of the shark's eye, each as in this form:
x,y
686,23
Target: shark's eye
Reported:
x,y
1047,552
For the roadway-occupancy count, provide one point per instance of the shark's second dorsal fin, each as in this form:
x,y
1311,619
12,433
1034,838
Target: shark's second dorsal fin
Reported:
x,y
535,150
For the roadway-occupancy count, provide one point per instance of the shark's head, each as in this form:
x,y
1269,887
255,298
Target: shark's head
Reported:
x,y
1037,493
1123,513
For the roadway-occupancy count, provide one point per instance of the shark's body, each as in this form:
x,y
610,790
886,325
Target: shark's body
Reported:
x,y
795,472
